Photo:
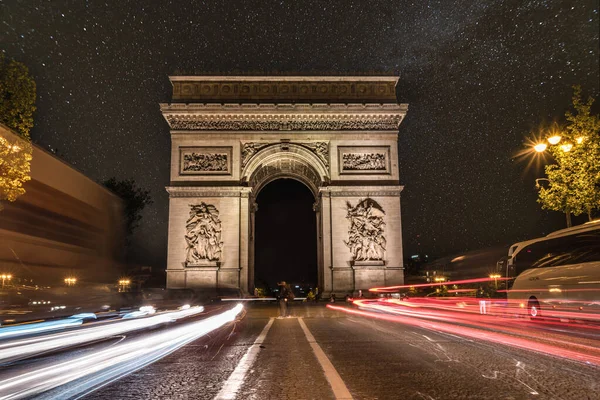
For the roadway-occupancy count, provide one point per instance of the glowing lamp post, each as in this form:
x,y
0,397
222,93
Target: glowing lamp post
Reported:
x,y
495,278
124,285
70,281
5,277
560,147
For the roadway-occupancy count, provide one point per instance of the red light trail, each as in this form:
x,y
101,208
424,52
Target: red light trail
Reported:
x,y
488,328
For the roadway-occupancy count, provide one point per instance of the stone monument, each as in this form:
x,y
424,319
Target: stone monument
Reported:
x,y
232,135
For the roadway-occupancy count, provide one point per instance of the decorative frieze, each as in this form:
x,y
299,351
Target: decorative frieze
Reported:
x,y
283,122
203,235
364,159
207,191
205,160
366,239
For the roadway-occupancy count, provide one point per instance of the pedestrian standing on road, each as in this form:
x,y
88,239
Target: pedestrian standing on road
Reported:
x,y
290,298
282,297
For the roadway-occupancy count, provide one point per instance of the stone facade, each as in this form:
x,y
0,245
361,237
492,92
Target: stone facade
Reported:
x,y
233,135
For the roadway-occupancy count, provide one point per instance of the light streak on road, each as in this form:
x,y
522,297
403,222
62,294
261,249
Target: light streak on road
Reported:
x,y
445,283
441,322
104,366
38,327
26,347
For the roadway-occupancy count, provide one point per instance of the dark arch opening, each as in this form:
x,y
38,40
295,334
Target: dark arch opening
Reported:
x,y
285,235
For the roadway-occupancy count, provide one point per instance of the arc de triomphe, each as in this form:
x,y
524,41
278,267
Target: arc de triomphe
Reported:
x,y
232,135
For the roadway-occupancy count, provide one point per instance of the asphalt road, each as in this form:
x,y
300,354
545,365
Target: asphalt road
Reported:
x,y
372,358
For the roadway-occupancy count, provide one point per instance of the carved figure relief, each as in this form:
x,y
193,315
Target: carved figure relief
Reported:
x,y
205,160
364,159
203,234
321,149
249,149
364,162
366,239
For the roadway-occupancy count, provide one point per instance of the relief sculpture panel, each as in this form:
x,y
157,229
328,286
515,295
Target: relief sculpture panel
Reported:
x,y
205,161
203,235
364,160
366,239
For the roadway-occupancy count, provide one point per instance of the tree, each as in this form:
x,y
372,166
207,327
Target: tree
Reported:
x,y
574,179
135,200
17,96
17,104
15,158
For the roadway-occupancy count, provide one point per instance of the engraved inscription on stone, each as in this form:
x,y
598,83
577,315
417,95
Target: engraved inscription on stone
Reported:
x,y
366,239
205,161
364,160
203,234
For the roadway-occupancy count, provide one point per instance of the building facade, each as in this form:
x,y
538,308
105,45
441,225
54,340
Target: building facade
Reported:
x,y
233,135
65,225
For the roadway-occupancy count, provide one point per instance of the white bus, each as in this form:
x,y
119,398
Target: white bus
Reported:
x,y
557,275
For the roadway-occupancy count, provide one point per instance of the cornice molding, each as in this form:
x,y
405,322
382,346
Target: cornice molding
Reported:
x,y
365,191
282,122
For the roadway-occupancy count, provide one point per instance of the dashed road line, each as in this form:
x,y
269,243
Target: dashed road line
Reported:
x,y
340,391
233,384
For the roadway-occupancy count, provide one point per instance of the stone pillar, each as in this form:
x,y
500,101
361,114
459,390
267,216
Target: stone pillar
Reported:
x,y
251,244
327,239
320,271
244,242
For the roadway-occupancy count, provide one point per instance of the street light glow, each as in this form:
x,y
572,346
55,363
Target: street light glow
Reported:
x,y
540,147
566,147
579,140
554,139
70,281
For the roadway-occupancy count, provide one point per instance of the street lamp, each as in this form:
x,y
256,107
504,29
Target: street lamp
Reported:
x,y
5,277
495,278
70,281
124,285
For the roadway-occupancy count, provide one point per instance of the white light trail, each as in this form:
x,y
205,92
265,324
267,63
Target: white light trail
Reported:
x,y
103,366
38,327
23,348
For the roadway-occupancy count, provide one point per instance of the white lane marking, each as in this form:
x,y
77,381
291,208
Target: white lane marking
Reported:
x,y
340,391
236,379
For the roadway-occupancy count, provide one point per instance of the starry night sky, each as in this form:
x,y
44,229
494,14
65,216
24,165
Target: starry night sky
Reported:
x,y
478,75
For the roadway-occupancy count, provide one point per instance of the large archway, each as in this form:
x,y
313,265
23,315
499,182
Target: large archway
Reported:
x,y
285,245
234,137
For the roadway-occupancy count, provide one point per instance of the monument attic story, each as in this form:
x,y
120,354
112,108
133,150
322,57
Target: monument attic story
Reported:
x,y
284,89
242,103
